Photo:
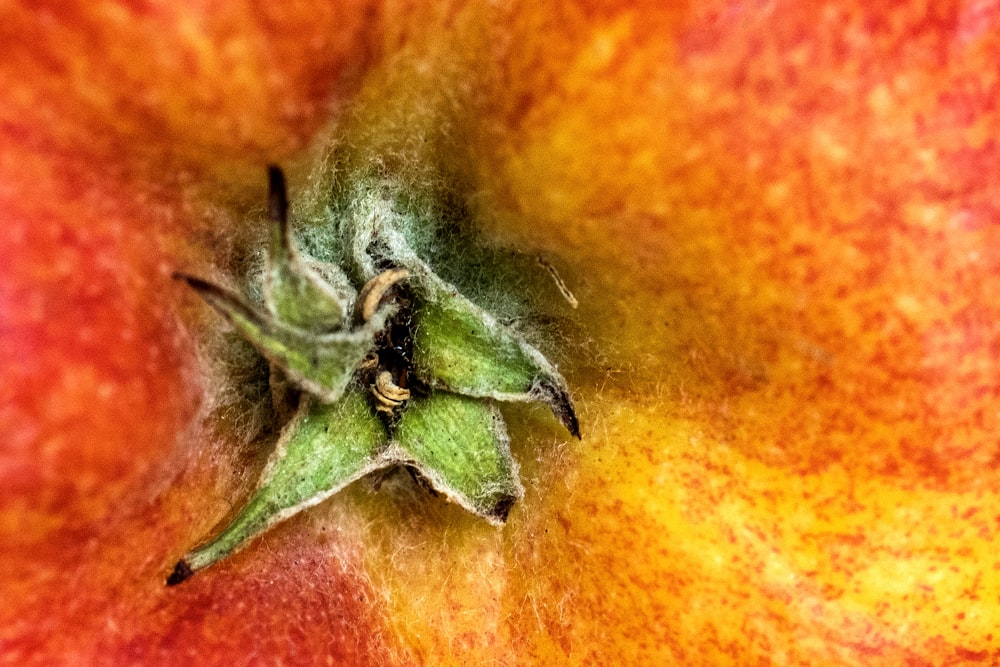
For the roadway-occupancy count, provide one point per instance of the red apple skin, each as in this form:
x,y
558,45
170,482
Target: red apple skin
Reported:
x,y
779,222
114,117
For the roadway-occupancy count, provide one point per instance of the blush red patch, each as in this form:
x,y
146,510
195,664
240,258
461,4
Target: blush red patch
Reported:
x,y
98,391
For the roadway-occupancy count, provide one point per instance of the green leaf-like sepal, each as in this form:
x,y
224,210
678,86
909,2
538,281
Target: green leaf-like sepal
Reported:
x,y
322,450
460,445
460,347
301,297
321,364
296,293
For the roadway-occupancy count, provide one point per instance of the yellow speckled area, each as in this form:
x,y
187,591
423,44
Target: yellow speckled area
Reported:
x,y
799,236
779,223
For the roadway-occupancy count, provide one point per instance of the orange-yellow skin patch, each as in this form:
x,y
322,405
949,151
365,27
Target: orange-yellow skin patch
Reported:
x,y
777,220
784,222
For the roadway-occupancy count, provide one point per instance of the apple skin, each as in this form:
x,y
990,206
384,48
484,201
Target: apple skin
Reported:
x,y
115,116
777,220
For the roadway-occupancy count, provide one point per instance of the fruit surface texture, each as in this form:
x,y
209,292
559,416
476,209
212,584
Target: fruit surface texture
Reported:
x,y
780,223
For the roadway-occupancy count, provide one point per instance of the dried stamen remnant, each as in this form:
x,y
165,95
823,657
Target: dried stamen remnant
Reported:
x,y
376,291
389,396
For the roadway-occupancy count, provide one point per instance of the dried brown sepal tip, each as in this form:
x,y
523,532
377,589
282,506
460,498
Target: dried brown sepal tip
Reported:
x,y
277,196
203,287
559,401
182,572
503,507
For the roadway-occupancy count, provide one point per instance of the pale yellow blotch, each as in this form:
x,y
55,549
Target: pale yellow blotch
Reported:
x,y
443,590
676,526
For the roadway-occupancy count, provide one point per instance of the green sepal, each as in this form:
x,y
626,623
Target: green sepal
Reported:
x,y
461,447
296,293
463,349
458,346
299,296
321,364
322,450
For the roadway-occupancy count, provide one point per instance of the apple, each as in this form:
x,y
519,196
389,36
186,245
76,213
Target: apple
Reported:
x,y
777,221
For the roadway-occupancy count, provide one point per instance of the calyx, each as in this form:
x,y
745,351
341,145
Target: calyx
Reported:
x,y
400,370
